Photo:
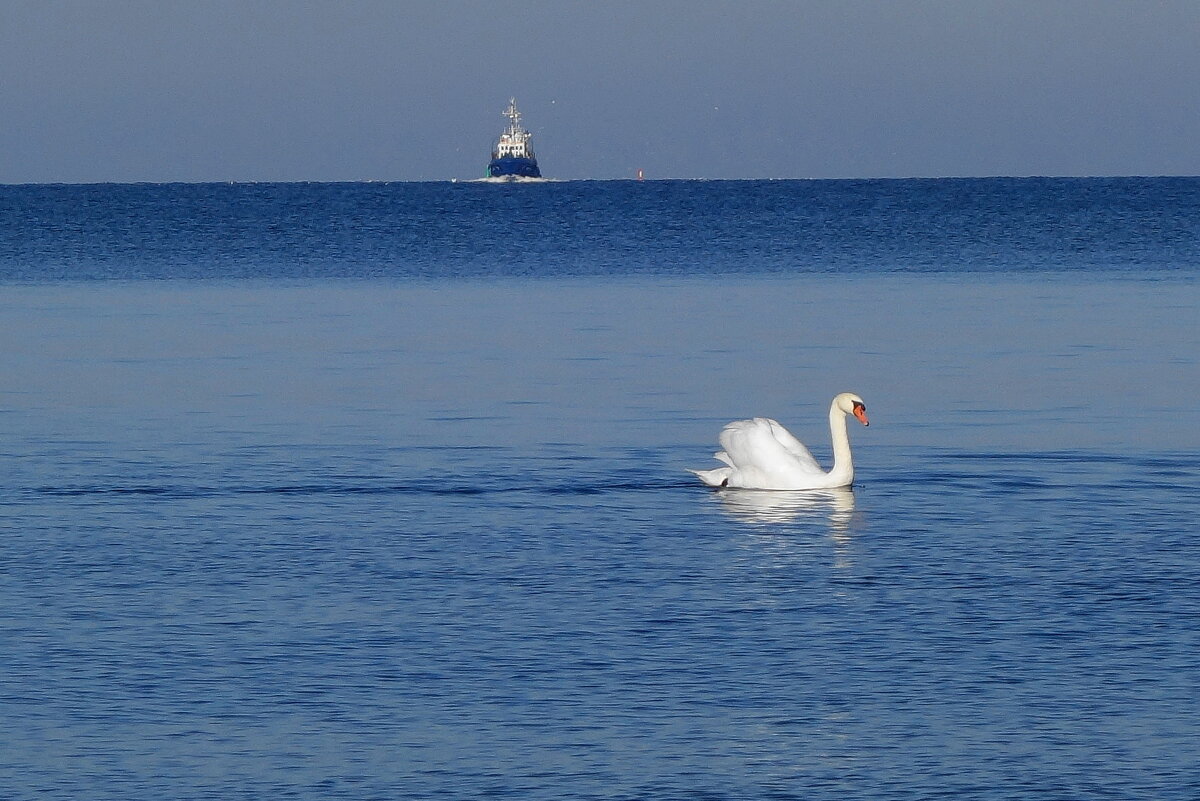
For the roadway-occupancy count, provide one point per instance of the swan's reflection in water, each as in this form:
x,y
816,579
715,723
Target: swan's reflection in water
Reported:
x,y
784,506
772,507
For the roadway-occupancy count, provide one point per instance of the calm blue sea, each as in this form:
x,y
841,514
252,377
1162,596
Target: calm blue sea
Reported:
x,y
379,491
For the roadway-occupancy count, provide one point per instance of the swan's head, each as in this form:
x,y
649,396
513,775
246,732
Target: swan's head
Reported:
x,y
849,403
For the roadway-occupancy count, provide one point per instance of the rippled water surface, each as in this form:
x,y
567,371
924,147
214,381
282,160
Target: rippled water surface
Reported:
x,y
408,539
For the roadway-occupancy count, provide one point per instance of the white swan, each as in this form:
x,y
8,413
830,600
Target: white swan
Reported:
x,y
761,454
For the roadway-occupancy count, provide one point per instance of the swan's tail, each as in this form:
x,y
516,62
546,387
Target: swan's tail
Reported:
x,y
715,477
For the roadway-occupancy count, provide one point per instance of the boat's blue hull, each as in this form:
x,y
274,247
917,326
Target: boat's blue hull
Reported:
x,y
521,168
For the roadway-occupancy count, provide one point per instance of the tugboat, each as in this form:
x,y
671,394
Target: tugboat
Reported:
x,y
513,157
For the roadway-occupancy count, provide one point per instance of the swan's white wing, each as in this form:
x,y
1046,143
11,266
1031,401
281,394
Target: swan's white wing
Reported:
x,y
794,446
766,448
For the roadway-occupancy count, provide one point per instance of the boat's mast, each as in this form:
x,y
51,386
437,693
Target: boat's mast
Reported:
x,y
514,116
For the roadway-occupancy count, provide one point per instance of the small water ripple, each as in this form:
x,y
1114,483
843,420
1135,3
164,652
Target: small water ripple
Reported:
x,y
169,491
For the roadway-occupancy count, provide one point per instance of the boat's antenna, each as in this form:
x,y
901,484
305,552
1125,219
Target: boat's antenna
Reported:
x,y
513,115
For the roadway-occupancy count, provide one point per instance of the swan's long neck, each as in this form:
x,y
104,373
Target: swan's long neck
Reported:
x,y
842,473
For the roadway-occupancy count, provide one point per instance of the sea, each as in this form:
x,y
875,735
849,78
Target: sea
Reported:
x,y
381,491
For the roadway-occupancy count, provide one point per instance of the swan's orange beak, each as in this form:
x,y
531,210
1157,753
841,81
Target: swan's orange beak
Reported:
x,y
860,412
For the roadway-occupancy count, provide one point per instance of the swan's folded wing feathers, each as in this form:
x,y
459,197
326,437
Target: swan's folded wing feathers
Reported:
x,y
793,446
754,445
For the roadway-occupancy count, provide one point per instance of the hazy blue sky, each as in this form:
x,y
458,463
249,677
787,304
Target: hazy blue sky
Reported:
x,y
204,90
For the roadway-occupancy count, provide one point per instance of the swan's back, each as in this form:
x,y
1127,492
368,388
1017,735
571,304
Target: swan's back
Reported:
x,y
762,450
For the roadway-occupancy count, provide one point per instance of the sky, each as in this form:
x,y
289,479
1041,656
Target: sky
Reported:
x,y
403,90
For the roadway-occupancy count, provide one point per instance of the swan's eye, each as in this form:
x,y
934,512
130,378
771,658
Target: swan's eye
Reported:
x,y
862,406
